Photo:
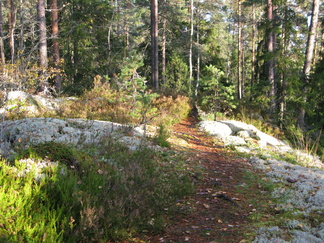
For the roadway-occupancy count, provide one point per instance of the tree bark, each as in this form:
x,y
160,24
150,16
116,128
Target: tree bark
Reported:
x,y
11,28
271,62
198,61
164,43
239,54
309,55
154,43
2,54
43,60
191,44
56,48
253,48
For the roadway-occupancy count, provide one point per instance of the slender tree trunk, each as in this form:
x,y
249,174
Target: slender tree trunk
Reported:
x,y
154,43
253,48
56,47
11,28
109,43
21,67
191,44
282,87
198,62
164,44
43,60
271,62
22,21
2,54
308,60
239,53
119,31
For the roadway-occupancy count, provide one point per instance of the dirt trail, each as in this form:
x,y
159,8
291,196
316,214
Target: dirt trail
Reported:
x,y
217,211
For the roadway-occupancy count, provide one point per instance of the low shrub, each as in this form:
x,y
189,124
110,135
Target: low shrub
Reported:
x,y
123,106
115,194
171,109
162,137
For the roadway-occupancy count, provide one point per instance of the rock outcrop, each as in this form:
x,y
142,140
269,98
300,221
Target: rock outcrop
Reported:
x,y
248,139
73,131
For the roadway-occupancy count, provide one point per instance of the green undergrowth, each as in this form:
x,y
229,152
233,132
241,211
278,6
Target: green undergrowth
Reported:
x,y
129,105
95,193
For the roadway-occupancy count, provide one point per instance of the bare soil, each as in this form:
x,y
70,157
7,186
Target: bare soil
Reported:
x,y
218,210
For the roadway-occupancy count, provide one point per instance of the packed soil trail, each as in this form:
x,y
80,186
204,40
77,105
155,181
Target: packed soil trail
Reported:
x,y
217,211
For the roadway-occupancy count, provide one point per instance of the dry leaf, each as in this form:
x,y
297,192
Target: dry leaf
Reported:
x,y
206,205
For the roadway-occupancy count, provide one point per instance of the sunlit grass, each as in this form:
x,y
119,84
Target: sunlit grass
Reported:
x,y
111,194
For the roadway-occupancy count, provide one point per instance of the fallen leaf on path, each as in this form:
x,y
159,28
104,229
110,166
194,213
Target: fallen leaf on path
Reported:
x,y
206,205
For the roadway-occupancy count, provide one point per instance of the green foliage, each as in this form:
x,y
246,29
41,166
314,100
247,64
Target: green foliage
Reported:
x,y
162,137
58,152
116,194
83,30
177,75
216,96
25,216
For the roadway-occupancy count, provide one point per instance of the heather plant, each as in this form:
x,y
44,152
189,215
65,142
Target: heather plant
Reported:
x,y
112,194
171,110
24,215
130,105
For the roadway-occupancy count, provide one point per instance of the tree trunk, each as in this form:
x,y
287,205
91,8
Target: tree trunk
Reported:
x,y
308,60
56,48
43,61
154,43
271,62
11,28
22,21
164,44
253,48
198,61
2,54
21,67
191,44
239,54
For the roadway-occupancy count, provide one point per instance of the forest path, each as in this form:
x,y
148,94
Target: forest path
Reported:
x,y
217,211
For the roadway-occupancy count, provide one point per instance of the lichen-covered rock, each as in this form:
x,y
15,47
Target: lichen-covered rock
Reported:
x,y
237,126
30,105
234,132
215,128
234,140
72,131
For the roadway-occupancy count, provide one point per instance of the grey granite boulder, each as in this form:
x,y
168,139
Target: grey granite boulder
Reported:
x,y
215,128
